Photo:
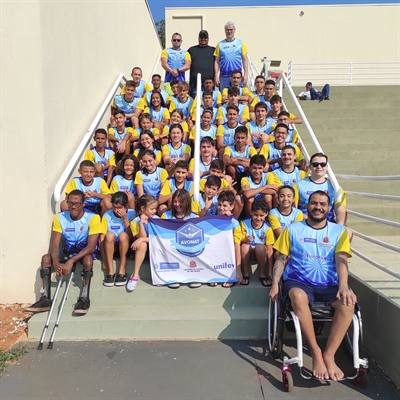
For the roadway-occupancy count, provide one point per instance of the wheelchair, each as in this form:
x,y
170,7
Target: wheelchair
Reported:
x,y
281,314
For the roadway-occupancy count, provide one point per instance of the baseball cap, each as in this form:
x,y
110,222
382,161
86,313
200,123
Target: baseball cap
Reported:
x,y
203,34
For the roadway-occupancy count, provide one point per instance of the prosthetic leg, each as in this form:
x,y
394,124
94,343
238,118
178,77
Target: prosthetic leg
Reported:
x,y
44,303
83,303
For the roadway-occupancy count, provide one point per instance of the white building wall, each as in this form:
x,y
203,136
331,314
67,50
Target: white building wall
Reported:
x,y
59,61
342,33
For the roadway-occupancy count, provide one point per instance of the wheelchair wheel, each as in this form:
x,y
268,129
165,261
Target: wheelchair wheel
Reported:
x,y
275,329
287,380
348,338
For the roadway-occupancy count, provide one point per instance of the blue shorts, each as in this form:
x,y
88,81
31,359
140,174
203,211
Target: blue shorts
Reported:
x,y
322,294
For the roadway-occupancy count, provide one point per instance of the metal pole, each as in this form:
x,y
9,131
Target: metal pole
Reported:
x,y
196,172
46,325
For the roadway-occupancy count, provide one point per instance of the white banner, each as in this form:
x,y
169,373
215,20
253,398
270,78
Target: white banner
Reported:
x,y
193,250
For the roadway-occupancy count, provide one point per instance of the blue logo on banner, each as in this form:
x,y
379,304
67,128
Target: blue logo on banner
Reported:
x,y
189,240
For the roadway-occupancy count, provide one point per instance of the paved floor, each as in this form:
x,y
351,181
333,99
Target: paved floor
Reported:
x,y
171,370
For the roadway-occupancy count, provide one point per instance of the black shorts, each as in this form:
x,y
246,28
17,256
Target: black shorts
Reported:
x,y
322,294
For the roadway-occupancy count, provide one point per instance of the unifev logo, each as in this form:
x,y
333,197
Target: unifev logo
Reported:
x,y
189,240
192,264
70,230
325,240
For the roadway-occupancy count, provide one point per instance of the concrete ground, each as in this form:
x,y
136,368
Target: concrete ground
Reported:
x,y
172,370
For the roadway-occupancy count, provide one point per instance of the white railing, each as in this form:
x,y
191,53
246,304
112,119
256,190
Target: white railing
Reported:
x,y
345,73
70,168
283,81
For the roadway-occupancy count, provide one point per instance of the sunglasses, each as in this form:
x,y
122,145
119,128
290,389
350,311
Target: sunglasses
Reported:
x,y
176,40
322,164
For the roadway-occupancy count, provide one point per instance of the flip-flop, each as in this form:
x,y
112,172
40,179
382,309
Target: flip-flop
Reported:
x,y
245,280
264,281
228,285
212,284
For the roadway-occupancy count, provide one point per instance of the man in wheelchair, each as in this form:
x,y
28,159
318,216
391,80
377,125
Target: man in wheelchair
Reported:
x,y
313,260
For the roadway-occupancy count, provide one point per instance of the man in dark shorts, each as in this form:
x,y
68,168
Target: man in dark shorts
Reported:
x,y
202,61
80,229
316,253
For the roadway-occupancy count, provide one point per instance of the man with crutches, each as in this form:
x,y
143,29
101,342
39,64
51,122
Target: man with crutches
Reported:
x,y
80,229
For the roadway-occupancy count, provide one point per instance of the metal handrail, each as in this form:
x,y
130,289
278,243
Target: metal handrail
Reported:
x,y
283,80
347,72
86,139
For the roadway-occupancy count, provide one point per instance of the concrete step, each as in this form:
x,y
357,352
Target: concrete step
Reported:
x,y
161,313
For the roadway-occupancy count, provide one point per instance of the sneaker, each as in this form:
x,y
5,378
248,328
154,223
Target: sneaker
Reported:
x,y
194,285
174,285
132,283
327,98
120,280
82,305
109,280
43,304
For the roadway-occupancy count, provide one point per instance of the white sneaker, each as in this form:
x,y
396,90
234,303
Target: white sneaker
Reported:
x,y
132,283
174,285
194,285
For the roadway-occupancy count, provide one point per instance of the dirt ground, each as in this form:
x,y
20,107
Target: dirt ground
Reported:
x,y
13,324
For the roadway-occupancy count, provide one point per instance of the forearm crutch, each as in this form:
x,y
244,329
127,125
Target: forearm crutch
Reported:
x,y
64,299
53,304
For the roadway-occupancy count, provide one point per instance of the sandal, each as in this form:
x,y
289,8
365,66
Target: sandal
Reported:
x,y
228,285
245,280
212,284
266,281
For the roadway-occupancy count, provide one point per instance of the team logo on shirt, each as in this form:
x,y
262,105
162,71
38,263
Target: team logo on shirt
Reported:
x,y
81,228
192,264
325,240
189,240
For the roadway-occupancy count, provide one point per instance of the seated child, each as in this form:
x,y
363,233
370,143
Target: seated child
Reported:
x,y
285,214
145,124
233,100
150,179
226,132
180,206
142,87
217,168
259,129
178,181
207,103
226,204
101,156
127,103
284,118
97,194
124,182
207,155
206,129
258,239
175,150
119,136
216,94
273,151
148,142
182,101
146,207
245,96
208,200
176,118
237,157
156,82
276,108
259,185
157,109
115,223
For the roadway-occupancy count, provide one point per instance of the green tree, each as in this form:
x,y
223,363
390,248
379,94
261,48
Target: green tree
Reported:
x,y
160,26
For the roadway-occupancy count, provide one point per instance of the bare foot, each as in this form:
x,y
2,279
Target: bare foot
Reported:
x,y
103,266
335,373
319,368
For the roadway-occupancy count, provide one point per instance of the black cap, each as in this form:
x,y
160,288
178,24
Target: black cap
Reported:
x,y
203,34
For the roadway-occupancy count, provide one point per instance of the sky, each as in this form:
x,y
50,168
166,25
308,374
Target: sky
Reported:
x,y
157,6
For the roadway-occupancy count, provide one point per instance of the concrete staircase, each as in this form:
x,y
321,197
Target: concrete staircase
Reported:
x,y
359,129
156,313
